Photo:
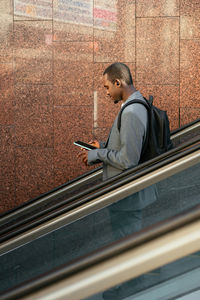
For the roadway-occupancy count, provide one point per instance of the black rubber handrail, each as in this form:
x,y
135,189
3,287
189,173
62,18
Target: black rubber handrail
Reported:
x,y
41,211
101,255
185,126
101,189
34,200
136,171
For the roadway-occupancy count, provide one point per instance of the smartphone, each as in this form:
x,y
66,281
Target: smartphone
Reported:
x,y
84,145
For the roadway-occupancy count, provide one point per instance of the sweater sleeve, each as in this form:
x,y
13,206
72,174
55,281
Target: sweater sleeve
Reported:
x,y
132,134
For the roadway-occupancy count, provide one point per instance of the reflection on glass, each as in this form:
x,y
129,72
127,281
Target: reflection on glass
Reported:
x,y
100,22
174,195
168,282
33,9
81,12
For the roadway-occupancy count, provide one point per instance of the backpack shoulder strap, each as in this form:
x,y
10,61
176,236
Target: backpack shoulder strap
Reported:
x,y
146,104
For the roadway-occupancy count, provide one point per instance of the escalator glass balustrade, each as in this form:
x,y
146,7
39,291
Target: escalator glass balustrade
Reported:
x,y
165,198
60,194
177,280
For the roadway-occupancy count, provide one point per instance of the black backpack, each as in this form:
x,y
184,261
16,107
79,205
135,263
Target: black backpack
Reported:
x,y
158,133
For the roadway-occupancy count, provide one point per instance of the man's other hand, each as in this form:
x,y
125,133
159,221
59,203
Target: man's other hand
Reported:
x,y
83,155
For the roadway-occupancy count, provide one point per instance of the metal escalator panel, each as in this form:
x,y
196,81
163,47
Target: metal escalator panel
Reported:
x,y
185,133
168,274
179,279
153,273
103,220
70,211
159,264
81,183
33,218
45,200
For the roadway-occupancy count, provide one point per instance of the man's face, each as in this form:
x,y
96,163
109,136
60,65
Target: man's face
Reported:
x,y
113,89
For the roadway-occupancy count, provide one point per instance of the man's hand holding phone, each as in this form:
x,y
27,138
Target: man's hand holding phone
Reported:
x,y
84,153
94,143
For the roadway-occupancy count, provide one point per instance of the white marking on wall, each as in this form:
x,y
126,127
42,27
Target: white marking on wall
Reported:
x,y
95,110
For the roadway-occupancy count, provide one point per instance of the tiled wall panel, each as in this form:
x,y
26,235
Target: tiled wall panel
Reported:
x,y
114,31
6,31
34,172
52,57
157,49
7,174
189,60
190,73
155,8
6,94
165,97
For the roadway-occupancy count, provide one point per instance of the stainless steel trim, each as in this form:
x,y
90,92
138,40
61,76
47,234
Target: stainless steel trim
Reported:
x,y
130,264
102,201
75,184
186,130
170,289
49,197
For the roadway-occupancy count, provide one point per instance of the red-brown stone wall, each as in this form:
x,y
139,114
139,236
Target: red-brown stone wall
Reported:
x,y
52,55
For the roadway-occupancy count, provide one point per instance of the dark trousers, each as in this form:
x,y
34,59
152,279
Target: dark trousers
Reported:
x,y
124,223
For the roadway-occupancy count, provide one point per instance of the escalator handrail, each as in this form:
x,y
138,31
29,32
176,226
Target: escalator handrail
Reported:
x,y
136,171
112,250
41,196
4,220
116,183
186,126
6,215
77,179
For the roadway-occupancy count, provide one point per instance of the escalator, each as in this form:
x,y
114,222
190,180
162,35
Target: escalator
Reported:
x,y
74,253
33,212
89,179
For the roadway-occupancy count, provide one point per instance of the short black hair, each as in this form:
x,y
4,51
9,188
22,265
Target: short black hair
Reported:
x,y
119,71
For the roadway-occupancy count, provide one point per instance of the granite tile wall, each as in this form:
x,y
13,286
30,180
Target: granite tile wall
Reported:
x,y
52,56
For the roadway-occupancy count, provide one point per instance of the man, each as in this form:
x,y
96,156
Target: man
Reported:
x,y
123,149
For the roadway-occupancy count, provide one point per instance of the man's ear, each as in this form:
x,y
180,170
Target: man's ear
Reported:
x,y
117,83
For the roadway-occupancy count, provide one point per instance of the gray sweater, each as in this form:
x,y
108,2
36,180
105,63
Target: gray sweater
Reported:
x,y
123,149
